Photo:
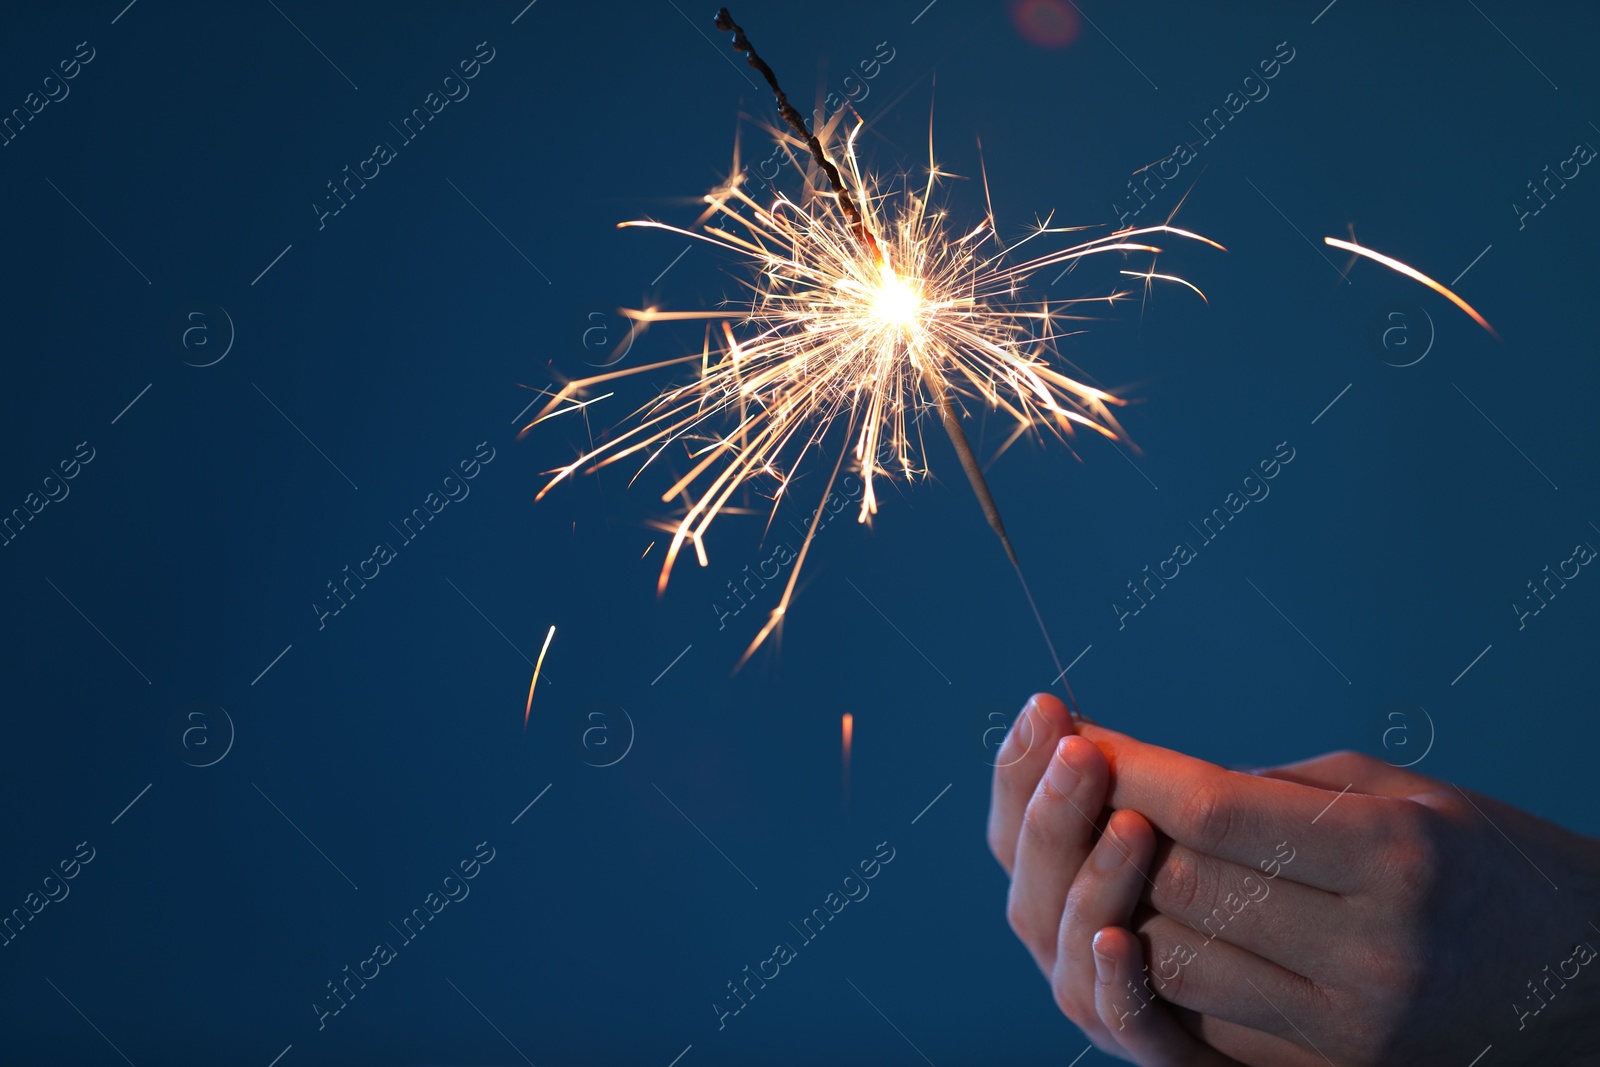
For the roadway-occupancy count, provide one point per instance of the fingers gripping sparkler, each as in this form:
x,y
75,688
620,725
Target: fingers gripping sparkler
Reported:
x,y
866,313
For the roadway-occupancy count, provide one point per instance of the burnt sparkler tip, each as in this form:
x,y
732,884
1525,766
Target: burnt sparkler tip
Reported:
x,y
724,23
797,122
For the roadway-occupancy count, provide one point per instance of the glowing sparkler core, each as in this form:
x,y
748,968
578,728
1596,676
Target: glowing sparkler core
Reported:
x,y
898,302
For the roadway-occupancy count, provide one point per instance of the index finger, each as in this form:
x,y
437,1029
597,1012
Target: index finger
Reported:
x,y
1019,764
1316,837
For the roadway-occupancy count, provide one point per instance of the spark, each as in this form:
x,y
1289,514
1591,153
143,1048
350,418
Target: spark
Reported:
x,y
531,685
847,729
1150,274
867,312
1417,275
647,549
563,411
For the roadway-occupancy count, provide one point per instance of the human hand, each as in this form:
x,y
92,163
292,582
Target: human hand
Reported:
x,y
1404,926
1069,877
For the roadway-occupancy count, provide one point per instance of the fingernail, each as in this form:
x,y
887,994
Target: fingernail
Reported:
x,y
1063,777
1110,853
1105,968
1023,724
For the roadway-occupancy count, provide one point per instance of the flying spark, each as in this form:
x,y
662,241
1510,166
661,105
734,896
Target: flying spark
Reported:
x,y
1417,275
536,667
847,728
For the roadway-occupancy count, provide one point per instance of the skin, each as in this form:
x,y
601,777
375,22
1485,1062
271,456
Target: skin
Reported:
x,y
1334,911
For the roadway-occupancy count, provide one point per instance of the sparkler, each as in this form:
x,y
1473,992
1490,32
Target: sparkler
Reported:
x,y
866,312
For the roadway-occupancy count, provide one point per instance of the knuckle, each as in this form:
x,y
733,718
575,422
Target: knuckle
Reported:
x,y
1070,1001
1409,858
1178,884
1207,815
1170,975
1041,820
1083,913
1173,989
1025,923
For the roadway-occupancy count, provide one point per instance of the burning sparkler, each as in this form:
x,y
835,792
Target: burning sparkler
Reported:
x,y
866,313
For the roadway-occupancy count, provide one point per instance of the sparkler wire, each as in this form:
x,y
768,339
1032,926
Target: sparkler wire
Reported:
x,y
741,43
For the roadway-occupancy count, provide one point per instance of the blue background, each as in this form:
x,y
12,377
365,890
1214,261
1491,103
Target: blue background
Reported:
x,y
405,331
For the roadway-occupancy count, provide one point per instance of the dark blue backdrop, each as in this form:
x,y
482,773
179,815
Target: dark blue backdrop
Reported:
x,y
172,200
